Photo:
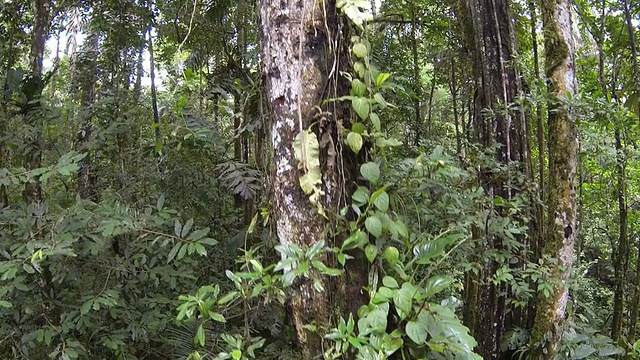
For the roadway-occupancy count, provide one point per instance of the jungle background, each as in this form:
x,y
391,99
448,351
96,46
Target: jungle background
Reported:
x,y
177,182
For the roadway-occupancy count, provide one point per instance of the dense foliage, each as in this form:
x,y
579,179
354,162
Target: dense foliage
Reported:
x,y
141,213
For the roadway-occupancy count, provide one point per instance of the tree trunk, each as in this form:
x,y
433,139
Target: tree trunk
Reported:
x,y
490,37
453,86
32,88
416,78
634,53
540,135
546,335
297,39
635,304
152,76
622,252
87,71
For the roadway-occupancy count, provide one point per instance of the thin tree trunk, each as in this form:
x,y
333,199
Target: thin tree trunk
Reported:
x,y
33,90
635,304
621,259
453,86
430,111
137,86
87,70
546,335
634,52
4,154
540,133
416,78
154,95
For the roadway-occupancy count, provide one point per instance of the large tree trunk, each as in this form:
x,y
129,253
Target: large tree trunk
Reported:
x,y
561,231
298,39
491,38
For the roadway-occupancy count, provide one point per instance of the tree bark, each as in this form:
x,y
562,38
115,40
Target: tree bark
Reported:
x,y
490,37
634,53
561,232
32,88
453,86
152,76
417,83
299,43
622,251
87,70
540,134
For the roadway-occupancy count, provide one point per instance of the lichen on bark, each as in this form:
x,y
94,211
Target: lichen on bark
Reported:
x,y
561,229
298,61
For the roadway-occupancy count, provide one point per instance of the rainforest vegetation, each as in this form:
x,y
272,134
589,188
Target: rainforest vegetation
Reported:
x,y
319,179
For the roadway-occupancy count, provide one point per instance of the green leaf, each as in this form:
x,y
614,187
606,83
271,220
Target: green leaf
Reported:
x,y
371,251
359,128
416,332
160,203
200,335
173,252
185,229
373,225
360,196
375,120
182,251
383,295
217,317
315,249
378,317
436,284
382,201
387,142
360,50
354,140
358,88
228,298
236,354
86,307
403,299
28,268
359,68
382,77
609,350
391,255
380,100
390,282
5,304
361,106
177,227
583,351
370,171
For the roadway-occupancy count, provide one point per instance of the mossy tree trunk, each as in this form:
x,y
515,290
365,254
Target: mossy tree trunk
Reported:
x,y
300,53
560,231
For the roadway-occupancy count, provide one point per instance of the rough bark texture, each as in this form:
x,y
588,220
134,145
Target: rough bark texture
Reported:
x,y
491,40
546,335
300,54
